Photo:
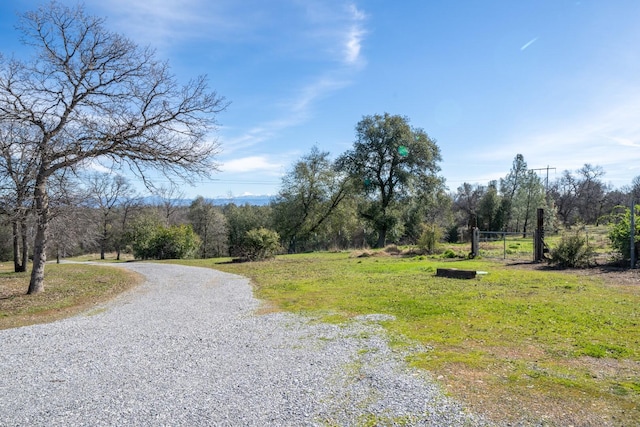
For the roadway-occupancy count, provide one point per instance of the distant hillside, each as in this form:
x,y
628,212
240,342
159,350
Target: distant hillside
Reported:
x,y
242,200
218,201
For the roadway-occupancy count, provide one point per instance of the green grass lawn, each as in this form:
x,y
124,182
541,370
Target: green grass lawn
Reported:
x,y
564,346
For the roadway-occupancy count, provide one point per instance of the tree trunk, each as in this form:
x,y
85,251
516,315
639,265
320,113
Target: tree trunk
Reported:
x,y
36,284
17,267
103,239
382,238
24,235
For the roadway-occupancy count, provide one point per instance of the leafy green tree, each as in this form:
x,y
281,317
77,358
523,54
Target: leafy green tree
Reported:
x,y
509,186
466,201
310,193
241,219
620,231
150,239
529,196
489,213
140,235
389,161
344,228
211,225
430,238
431,208
174,242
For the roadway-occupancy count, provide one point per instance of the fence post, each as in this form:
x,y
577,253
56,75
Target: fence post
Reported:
x,y
504,245
475,242
538,242
632,234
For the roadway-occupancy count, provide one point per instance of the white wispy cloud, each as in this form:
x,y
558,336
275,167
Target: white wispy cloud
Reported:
x,y
529,43
329,33
251,164
166,24
608,137
331,26
354,35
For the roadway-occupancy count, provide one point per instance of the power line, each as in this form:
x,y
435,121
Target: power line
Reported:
x,y
546,184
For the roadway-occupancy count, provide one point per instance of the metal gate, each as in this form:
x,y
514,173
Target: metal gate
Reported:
x,y
503,245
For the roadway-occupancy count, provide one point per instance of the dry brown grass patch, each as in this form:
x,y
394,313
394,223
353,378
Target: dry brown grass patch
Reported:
x,y
69,289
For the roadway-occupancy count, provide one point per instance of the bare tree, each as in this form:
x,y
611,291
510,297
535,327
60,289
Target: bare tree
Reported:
x,y
94,95
70,222
634,191
564,192
107,193
17,172
128,206
591,193
169,203
467,200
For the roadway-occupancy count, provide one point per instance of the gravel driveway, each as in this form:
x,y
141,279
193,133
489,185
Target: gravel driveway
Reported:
x,y
186,348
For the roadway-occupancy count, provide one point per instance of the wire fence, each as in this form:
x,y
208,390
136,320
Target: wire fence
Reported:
x,y
506,245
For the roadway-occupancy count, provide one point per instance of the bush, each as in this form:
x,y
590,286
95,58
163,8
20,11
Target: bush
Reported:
x,y
430,238
449,253
572,251
152,241
392,250
175,242
260,243
619,231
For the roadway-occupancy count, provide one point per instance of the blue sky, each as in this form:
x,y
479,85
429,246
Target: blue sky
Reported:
x,y
557,81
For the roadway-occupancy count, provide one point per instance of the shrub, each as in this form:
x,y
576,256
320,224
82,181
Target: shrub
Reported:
x,y
260,243
175,242
392,250
572,251
619,231
449,253
430,238
140,236
152,241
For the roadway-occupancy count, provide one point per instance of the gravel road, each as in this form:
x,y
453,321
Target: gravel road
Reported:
x,y
186,348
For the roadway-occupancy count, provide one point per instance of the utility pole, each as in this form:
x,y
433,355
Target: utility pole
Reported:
x,y
546,184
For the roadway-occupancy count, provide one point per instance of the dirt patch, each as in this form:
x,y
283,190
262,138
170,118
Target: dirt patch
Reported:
x,y
609,273
493,395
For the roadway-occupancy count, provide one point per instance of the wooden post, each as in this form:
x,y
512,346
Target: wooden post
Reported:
x,y
475,242
632,234
538,243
